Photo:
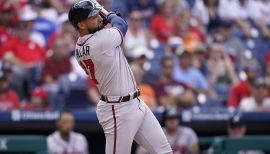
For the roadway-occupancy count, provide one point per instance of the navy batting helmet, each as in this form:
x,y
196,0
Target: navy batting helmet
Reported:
x,y
82,10
171,112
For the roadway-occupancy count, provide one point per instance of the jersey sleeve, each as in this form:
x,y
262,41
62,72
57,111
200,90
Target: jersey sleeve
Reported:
x,y
109,39
85,143
193,140
49,144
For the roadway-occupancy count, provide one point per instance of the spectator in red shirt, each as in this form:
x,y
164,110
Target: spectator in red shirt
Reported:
x,y
9,100
267,68
55,66
6,41
5,36
259,101
39,100
25,55
25,52
164,23
171,92
242,89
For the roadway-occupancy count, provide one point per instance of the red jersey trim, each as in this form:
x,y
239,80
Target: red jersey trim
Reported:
x,y
115,130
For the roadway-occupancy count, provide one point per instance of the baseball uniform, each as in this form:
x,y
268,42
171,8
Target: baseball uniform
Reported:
x,y
125,121
185,142
102,58
77,144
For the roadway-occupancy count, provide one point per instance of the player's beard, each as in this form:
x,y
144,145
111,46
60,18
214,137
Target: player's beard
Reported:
x,y
99,27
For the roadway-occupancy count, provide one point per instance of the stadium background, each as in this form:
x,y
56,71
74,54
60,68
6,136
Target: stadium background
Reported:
x,y
232,35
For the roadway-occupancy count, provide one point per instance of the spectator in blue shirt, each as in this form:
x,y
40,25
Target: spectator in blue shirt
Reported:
x,y
191,76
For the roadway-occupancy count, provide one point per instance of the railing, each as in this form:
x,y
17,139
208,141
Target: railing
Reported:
x,y
23,143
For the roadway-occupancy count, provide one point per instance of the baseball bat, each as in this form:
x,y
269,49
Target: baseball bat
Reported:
x,y
103,11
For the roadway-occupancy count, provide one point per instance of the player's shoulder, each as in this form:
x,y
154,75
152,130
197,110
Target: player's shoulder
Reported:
x,y
78,136
187,130
84,40
106,31
52,137
94,39
53,134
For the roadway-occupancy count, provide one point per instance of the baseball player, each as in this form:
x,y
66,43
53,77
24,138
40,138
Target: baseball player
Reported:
x,y
182,139
64,140
122,115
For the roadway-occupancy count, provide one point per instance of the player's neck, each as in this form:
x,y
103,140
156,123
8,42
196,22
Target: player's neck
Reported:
x,y
171,133
83,33
65,136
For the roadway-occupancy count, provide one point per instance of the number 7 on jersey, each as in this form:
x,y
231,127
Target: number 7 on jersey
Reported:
x,y
89,69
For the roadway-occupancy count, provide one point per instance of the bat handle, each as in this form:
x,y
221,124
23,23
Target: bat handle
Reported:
x,y
103,11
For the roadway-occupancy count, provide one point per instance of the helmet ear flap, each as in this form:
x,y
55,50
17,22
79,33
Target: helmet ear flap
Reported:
x,y
80,11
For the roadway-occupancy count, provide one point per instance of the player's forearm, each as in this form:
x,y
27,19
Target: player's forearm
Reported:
x,y
115,20
118,22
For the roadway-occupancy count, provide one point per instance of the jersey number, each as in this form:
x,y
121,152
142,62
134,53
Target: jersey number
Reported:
x,y
89,69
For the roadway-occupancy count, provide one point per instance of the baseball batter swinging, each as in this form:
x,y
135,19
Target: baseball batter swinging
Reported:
x,y
122,115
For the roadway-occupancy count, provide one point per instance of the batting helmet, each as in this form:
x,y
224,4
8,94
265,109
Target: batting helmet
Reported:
x,y
82,10
171,112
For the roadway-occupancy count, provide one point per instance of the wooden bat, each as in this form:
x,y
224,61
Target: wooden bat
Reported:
x,y
103,11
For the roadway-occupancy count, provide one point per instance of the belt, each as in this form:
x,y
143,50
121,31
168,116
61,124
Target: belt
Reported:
x,y
126,98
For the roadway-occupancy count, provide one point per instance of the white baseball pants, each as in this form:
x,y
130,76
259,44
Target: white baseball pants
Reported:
x,y
127,121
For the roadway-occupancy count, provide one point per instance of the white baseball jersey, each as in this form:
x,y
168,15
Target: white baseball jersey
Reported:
x,y
77,144
185,142
249,104
101,56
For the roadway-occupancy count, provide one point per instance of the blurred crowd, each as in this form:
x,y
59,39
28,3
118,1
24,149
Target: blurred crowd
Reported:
x,y
184,53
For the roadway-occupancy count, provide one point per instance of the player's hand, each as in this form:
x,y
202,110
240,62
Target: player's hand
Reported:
x,y
104,12
105,21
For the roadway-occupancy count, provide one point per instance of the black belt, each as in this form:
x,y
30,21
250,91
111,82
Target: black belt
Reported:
x,y
121,98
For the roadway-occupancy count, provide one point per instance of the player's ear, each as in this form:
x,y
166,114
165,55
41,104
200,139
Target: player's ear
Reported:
x,y
81,25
